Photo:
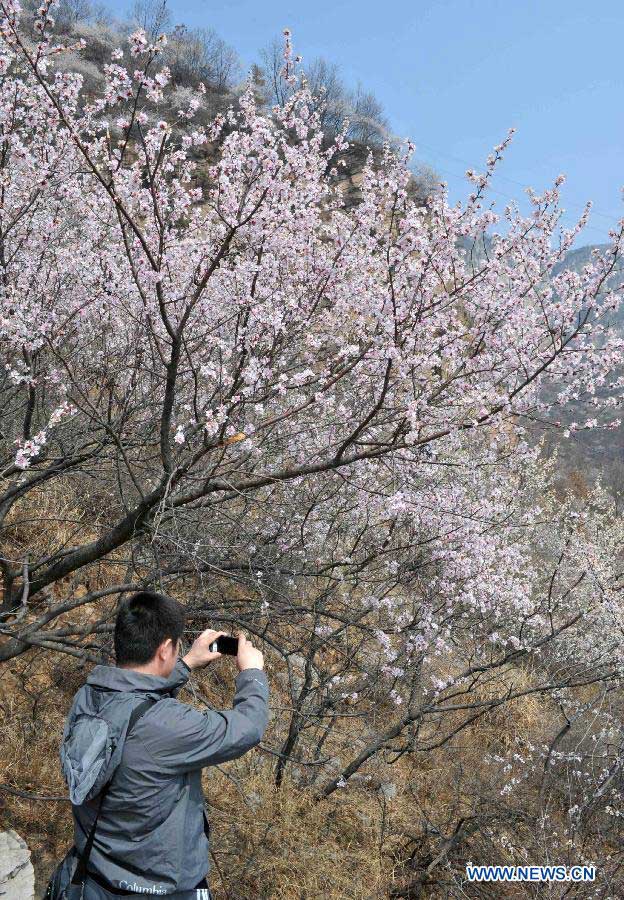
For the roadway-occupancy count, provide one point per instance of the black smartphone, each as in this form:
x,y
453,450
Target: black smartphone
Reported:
x,y
225,644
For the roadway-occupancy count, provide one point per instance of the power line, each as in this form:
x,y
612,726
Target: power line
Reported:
x,y
611,218
509,197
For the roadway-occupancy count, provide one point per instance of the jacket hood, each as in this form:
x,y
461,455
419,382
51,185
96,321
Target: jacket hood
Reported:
x,y
96,726
112,678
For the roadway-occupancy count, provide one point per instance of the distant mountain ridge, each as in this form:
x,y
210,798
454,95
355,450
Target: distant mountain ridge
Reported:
x,y
593,452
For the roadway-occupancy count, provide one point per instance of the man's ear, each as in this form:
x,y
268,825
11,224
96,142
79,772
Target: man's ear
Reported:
x,y
164,651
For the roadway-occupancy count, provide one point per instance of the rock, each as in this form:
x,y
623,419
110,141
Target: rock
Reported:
x,y
299,662
363,817
388,789
254,800
17,876
359,778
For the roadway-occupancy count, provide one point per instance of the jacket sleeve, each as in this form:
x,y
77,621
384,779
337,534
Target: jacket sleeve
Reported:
x,y
187,739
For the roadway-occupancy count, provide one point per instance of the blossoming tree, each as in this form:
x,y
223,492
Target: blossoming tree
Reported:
x,y
310,419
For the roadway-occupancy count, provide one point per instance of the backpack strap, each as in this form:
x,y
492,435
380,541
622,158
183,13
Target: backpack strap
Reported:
x,y
81,868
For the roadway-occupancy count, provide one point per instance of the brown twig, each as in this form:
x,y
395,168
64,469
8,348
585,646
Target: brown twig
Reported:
x,y
28,796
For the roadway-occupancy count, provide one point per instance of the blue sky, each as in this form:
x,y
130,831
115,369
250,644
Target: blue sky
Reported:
x,y
455,75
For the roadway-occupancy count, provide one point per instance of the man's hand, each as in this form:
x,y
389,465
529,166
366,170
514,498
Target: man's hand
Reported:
x,y
199,655
248,656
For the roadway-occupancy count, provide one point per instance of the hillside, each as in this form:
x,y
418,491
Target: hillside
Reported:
x,y
199,55
590,453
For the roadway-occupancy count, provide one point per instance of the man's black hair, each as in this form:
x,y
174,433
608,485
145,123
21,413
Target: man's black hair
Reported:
x,y
144,621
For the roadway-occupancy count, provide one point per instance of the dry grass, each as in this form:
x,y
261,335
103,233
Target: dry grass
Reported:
x,y
268,843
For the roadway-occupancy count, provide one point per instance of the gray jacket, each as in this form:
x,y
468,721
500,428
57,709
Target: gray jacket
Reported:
x,y
150,834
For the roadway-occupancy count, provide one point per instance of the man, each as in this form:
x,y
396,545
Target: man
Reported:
x,y
152,831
